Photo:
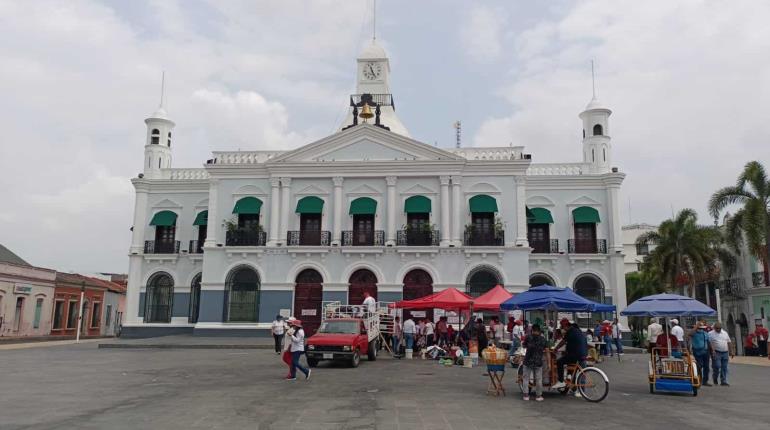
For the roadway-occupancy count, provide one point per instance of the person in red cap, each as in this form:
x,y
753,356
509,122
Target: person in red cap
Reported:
x,y
297,349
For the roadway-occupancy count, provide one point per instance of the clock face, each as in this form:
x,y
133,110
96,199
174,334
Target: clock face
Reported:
x,y
372,71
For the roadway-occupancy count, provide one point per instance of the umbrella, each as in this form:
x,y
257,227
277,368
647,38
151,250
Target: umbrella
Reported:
x,y
449,298
491,300
667,305
548,297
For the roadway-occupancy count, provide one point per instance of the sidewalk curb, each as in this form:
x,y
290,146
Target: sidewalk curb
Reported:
x,y
179,346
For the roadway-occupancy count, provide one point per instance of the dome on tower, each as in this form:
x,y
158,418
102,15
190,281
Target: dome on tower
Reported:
x,y
595,104
372,51
160,114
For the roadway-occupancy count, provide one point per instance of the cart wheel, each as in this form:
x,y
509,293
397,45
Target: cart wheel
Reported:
x,y
593,384
652,388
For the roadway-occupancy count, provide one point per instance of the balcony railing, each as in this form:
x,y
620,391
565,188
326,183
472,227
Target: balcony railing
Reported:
x,y
245,238
733,287
544,246
363,238
417,238
158,247
308,238
196,247
478,237
587,246
758,279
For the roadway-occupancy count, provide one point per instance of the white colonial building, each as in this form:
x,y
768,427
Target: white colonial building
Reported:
x,y
225,247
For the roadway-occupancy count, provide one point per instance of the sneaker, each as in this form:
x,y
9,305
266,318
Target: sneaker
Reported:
x,y
539,399
577,394
706,384
725,384
526,398
558,385
308,374
289,378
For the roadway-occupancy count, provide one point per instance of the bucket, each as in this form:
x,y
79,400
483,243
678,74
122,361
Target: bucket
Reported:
x,y
408,354
467,363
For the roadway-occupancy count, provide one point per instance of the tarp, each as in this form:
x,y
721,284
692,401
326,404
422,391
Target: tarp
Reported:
x,y
491,300
448,299
667,305
547,297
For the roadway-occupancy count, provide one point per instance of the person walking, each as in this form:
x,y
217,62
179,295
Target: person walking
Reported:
x,y
279,331
701,349
297,351
408,331
617,336
397,335
430,332
653,331
720,345
760,334
533,362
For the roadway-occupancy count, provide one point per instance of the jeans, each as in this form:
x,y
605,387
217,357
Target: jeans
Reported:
x,y
278,342
443,339
396,344
295,355
409,339
720,365
607,345
538,372
762,350
560,363
702,358
618,342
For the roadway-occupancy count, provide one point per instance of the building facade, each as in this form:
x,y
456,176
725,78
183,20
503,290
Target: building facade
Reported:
x,y
634,253
26,298
101,306
251,234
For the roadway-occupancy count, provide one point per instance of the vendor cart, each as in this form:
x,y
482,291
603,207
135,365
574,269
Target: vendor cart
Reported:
x,y
590,382
670,370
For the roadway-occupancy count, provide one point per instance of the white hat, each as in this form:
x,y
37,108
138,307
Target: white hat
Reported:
x,y
675,321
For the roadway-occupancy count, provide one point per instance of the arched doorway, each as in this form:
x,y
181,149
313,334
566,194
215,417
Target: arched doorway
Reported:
x,y
591,288
481,280
159,298
308,294
241,302
362,280
537,279
417,284
195,299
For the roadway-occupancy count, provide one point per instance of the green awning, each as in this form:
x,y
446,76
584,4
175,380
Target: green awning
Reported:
x,y
540,216
363,206
530,215
310,205
483,203
202,218
248,206
417,205
164,219
585,214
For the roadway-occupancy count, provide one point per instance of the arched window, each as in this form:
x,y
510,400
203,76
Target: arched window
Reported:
x,y
482,279
155,136
604,154
159,298
242,296
169,139
308,296
538,279
195,299
598,130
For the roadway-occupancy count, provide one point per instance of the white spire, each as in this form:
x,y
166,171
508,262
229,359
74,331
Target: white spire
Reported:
x,y
160,113
594,103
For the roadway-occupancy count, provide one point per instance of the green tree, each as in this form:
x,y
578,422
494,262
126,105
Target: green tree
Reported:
x,y
751,223
685,252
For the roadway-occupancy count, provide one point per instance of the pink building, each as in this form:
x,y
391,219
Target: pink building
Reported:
x,y
26,297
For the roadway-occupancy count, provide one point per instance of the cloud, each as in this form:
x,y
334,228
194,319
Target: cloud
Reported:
x,y
483,33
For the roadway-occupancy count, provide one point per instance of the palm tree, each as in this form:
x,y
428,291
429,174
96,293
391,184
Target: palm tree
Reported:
x,y
752,221
686,250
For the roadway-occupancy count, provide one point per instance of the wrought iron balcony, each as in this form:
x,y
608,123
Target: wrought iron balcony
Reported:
x,y
758,279
308,238
161,247
587,246
733,287
544,246
417,238
363,238
243,237
196,247
481,237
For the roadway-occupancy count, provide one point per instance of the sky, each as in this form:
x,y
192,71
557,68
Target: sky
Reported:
x,y
688,83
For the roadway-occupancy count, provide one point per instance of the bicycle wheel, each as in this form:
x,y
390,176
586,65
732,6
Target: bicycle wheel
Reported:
x,y
593,384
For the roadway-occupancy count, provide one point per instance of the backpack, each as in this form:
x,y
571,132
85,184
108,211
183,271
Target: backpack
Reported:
x,y
699,341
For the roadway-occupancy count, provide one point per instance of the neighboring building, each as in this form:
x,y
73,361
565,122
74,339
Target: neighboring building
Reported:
x,y
633,253
26,297
101,305
226,247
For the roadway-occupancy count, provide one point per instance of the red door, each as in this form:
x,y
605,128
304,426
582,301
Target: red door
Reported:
x,y
417,284
308,294
361,281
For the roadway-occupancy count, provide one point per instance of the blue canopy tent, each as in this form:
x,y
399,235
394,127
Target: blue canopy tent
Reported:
x,y
667,305
550,298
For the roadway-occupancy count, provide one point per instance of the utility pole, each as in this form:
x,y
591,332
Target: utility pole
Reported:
x,y
80,311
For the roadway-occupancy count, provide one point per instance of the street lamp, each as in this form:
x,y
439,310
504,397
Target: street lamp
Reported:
x,y
80,311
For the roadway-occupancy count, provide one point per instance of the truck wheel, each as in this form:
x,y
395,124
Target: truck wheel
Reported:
x,y
371,354
312,362
355,359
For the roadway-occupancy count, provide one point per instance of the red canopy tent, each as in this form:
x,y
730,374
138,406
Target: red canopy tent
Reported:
x,y
490,301
450,298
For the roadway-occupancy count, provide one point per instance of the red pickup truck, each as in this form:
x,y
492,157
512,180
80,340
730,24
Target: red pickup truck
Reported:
x,y
341,339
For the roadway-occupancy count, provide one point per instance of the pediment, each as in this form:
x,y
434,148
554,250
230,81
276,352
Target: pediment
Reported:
x,y
584,201
312,190
540,201
364,142
364,189
203,203
167,204
249,190
483,187
418,189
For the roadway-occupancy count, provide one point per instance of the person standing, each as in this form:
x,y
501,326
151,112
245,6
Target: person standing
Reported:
x,y
430,332
760,334
533,362
607,337
409,329
442,329
369,303
750,345
677,331
720,345
397,335
653,331
701,349
617,336
297,351
279,330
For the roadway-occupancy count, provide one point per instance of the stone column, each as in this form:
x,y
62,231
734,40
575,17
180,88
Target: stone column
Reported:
x,y
337,233
133,289
140,219
214,223
285,209
390,181
446,234
614,228
521,211
458,203
275,211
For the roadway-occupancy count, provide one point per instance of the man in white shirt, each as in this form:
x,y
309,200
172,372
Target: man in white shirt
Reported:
x,y
370,303
429,332
677,331
279,329
409,329
653,331
720,344
617,336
